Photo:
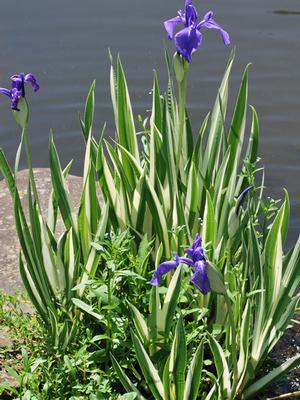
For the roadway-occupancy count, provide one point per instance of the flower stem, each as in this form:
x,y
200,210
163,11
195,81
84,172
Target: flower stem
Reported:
x,y
29,163
233,339
181,123
109,320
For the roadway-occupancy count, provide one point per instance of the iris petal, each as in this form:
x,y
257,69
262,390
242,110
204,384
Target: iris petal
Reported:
x,y
18,83
187,261
209,23
198,254
191,15
170,25
187,42
18,88
30,78
200,279
197,243
14,96
5,91
163,269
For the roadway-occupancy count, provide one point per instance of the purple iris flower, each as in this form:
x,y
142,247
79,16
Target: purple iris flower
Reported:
x,y
18,88
189,38
197,261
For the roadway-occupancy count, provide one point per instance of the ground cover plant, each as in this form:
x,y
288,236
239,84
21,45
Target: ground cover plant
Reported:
x,y
172,280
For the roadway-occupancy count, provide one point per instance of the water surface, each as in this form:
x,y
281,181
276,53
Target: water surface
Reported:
x,y
65,44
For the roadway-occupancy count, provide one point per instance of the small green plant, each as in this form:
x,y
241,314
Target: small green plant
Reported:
x,y
51,267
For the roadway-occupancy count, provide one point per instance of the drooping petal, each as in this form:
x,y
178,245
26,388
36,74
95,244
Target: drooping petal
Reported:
x,y
241,198
5,91
15,95
30,78
187,42
163,269
210,23
200,278
170,25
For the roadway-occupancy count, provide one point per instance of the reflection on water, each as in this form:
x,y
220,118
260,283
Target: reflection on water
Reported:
x,y
286,12
65,44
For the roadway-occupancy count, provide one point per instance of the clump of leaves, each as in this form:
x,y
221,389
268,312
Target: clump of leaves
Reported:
x,y
46,373
83,370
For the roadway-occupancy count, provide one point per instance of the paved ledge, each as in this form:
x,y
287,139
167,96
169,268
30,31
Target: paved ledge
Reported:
x,y
9,244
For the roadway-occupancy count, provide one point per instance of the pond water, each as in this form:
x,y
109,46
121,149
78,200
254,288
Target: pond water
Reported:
x,y
65,43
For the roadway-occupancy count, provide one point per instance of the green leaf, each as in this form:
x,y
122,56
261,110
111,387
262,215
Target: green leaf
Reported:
x,y
237,128
21,116
272,376
192,196
53,205
124,120
166,314
32,291
34,265
291,277
140,323
244,341
273,257
178,359
71,262
138,210
92,262
126,382
89,112
158,217
214,140
60,189
154,310
166,380
89,209
252,151
6,171
221,366
87,308
209,225
150,373
11,372
194,375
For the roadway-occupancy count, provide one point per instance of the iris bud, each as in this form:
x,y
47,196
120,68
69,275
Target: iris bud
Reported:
x,y
21,116
233,223
215,279
180,67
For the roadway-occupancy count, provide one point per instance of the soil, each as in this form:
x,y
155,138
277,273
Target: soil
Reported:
x,y
287,347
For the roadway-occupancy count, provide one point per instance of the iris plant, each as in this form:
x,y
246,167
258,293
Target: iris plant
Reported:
x,y
197,261
189,39
16,93
206,278
18,88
